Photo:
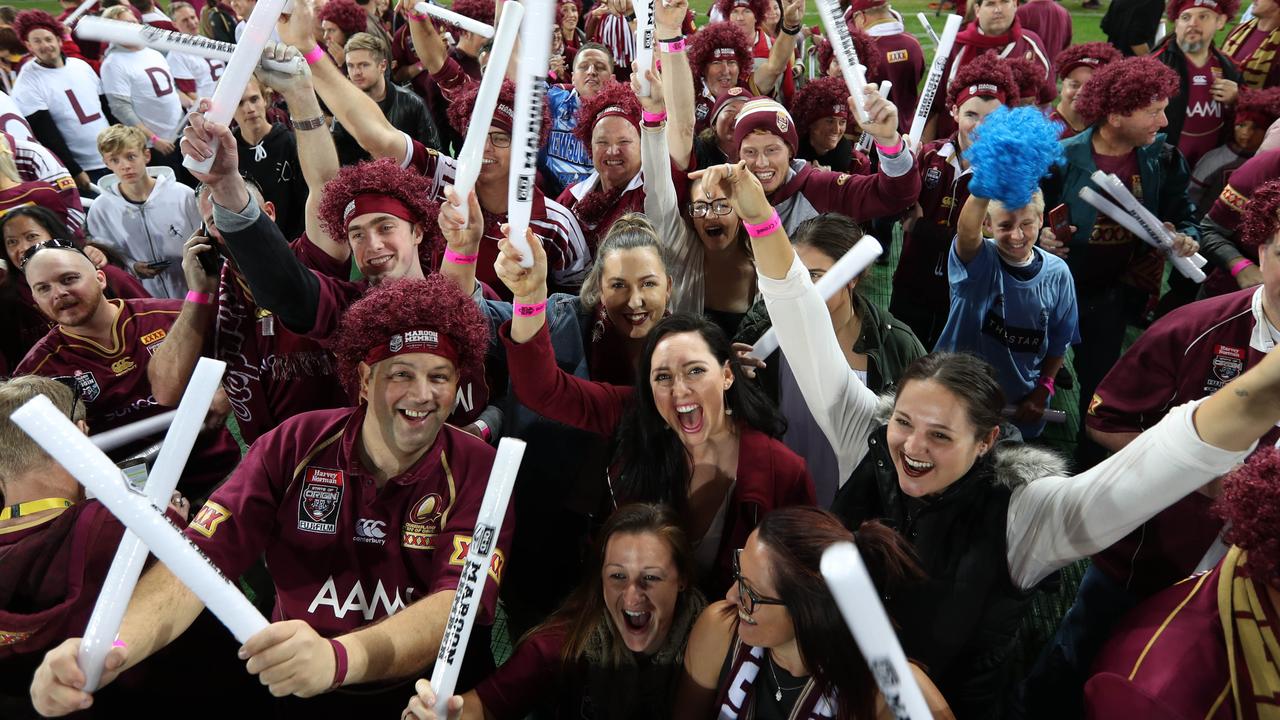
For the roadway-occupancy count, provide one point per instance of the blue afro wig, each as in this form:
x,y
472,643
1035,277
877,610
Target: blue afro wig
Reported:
x,y
1012,151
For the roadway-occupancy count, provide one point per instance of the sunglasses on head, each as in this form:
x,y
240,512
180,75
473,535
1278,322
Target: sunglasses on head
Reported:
x,y
56,243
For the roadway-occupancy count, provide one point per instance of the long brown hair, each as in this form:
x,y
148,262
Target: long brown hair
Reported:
x,y
584,610
796,537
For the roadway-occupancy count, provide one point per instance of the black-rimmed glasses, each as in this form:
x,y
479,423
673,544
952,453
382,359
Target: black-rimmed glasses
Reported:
x,y
747,598
717,207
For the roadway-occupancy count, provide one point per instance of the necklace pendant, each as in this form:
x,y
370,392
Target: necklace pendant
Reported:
x,y
777,695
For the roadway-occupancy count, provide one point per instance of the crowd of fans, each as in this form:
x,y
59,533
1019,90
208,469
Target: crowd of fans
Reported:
x,y
660,556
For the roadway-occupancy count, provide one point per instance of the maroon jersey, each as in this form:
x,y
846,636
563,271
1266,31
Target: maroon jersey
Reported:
x,y
42,194
1203,129
809,192
344,552
528,679
1188,354
1240,186
1050,21
584,200
944,189
1111,247
903,66
1021,43
272,373
113,384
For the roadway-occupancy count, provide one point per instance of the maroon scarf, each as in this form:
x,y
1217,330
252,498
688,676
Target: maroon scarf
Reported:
x,y
974,38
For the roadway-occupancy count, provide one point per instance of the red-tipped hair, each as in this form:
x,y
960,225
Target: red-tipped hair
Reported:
x,y
29,20
719,35
464,103
397,305
482,10
816,99
379,177
1250,504
348,16
611,93
986,69
1173,8
1261,217
1073,54
759,7
1124,87
868,54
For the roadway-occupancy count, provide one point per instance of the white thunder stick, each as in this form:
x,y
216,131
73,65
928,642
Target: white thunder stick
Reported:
x,y
1050,415
81,9
855,74
531,96
855,261
928,27
126,33
472,155
934,82
56,434
453,18
1149,229
645,41
484,543
859,603
226,96
125,434
864,142
1134,207
104,623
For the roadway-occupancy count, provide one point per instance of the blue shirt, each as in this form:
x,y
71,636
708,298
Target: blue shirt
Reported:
x,y
564,161
1011,323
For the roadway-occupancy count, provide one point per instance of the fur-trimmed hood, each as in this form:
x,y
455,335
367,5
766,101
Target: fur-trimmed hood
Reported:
x,y
1013,462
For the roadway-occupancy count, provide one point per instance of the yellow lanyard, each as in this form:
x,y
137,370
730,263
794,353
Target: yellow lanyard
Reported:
x,y
34,506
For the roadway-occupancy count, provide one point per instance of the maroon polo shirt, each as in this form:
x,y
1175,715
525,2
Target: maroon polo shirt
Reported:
x,y
528,679
344,552
1189,354
922,268
1050,21
904,67
113,384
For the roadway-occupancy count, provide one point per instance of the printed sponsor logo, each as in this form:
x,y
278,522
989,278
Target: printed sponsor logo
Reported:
x,y
153,337
209,518
462,547
371,531
320,501
896,56
85,382
1094,403
12,637
1233,199
422,523
1227,364
122,366
356,600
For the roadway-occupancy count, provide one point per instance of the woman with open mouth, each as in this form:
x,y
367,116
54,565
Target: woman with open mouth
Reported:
x,y
690,433
776,645
614,646
988,522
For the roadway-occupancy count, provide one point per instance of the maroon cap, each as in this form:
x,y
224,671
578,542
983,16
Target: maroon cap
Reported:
x,y
861,5
732,95
762,114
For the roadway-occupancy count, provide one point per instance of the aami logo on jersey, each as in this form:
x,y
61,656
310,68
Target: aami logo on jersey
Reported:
x,y
209,518
371,531
358,601
462,546
320,501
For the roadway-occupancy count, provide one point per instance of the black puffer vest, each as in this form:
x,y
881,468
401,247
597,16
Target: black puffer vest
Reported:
x,y
962,623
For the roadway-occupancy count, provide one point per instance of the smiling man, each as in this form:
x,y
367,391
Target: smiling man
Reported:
x,y
364,515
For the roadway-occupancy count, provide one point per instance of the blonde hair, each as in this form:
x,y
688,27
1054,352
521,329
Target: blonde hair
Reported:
x,y
119,138
366,41
629,232
18,452
1037,204
117,12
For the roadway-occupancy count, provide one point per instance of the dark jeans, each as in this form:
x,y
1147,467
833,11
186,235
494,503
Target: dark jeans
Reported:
x,y
1104,315
1054,689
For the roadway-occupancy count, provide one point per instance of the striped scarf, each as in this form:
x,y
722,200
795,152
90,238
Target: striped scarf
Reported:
x,y
1253,653
737,698
1257,66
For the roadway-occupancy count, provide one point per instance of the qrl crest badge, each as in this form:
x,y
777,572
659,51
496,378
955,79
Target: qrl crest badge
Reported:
x,y
85,383
1228,363
932,177
783,122
422,523
320,501
397,342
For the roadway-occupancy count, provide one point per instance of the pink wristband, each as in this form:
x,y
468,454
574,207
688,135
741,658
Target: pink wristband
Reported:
x,y
1240,266
674,46
891,150
529,310
1047,383
458,258
339,663
416,16
764,228
199,298
653,117
313,55
154,138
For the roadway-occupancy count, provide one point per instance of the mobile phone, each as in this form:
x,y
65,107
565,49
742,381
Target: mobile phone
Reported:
x,y
211,260
1060,221
159,264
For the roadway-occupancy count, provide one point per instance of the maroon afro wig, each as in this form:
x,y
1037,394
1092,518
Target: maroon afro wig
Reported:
x,y
868,54
377,177
1174,8
719,35
348,16
758,7
1124,87
818,99
1028,76
1094,55
398,305
1260,106
986,69
1261,216
612,93
481,10
1250,504
464,102
29,20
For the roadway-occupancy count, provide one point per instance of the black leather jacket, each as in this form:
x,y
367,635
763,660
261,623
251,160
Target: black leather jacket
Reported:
x,y
405,111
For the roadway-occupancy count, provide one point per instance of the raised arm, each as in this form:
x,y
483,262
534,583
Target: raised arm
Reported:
x,y
677,81
783,50
1056,520
969,228
171,366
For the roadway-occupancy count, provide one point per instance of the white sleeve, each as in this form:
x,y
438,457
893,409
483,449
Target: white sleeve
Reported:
x,y
662,208
26,94
844,408
1055,521
115,78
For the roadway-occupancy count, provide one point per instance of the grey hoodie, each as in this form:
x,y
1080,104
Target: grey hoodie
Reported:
x,y
149,231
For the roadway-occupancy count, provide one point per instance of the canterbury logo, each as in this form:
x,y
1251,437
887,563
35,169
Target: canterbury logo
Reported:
x,y
371,529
